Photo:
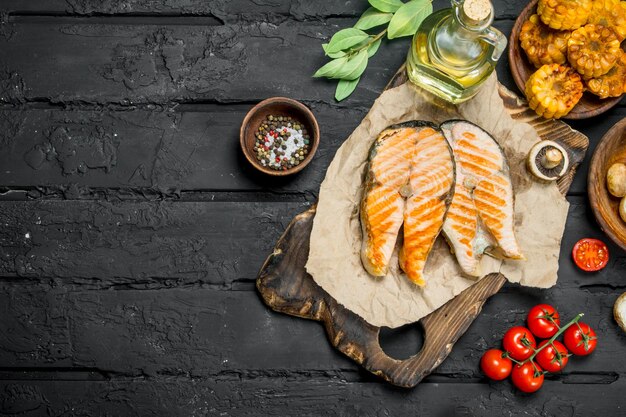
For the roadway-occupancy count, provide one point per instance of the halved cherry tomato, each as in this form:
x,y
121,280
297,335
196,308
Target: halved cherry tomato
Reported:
x,y
590,254
519,342
580,339
495,365
543,320
551,359
526,378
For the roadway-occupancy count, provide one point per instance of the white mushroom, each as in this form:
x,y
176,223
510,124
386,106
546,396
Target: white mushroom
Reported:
x,y
548,160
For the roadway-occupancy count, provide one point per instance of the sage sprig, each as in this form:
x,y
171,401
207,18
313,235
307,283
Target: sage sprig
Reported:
x,y
350,49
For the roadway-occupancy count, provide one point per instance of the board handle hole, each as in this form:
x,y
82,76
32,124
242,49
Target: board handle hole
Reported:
x,y
403,342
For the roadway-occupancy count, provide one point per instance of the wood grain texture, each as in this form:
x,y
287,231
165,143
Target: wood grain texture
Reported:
x,y
521,68
611,150
159,329
227,10
158,315
163,64
108,243
229,395
287,288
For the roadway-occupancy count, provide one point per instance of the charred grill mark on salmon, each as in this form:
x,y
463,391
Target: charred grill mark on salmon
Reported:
x,y
482,211
411,161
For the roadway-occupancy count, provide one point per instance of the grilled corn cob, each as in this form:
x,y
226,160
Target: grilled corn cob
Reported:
x,y
553,90
564,14
611,84
593,50
542,44
610,13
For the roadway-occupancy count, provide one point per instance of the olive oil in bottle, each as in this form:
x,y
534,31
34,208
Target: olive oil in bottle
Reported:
x,y
455,50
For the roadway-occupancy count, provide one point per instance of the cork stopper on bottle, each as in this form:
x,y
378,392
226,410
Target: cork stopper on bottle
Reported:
x,y
477,10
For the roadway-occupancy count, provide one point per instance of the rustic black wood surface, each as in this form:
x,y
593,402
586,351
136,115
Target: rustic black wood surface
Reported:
x,y
131,230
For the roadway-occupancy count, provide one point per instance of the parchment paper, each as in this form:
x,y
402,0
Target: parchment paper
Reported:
x,y
334,259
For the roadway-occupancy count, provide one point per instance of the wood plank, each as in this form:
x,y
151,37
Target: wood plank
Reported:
x,y
159,150
106,243
89,62
228,10
205,332
305,396
102,244
196,331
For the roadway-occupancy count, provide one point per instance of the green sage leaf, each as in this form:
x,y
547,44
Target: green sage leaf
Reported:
x,y
387,6
344,68
332,54
373,48
372,18
355,66
345,39
345,88
332,69
408,18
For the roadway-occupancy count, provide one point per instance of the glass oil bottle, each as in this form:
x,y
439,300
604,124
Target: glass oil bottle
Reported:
x,y
455,50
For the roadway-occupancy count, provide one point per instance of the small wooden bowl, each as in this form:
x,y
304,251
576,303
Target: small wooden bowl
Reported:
x,y
611,149
588,106
278,106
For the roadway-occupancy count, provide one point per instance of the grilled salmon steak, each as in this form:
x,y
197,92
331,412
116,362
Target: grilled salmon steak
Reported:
x,y
410,180
482,209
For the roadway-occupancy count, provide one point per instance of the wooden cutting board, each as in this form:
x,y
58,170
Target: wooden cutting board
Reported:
x,y
286,287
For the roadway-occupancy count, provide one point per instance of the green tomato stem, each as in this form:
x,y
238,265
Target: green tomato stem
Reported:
x,y
506,355
556,335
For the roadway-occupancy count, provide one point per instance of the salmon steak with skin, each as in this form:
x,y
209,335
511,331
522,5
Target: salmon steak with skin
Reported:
x,y
481,215
409,181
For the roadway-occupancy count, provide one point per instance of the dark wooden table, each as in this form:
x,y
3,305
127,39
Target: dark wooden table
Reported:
x,y
131,228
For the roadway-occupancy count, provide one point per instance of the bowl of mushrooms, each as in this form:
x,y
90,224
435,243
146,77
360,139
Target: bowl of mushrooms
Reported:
x,y
607,183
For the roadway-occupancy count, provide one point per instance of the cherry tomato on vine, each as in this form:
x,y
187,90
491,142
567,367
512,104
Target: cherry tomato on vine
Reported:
x,y
551,359
590,255
495,365
526,378
580,339
543,321
519,342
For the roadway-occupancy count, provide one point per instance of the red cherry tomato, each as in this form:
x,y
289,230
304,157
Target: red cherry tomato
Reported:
x,y
580,339
549,359
519,342
526,378
495,365
590,254
543,320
